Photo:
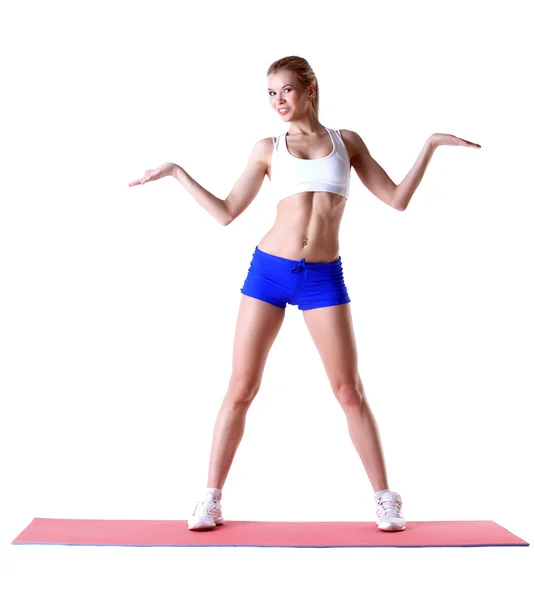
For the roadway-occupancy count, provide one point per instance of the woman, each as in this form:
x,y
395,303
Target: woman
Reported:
x,y
298,262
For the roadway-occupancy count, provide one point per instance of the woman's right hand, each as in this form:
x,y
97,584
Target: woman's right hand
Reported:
x,y
157,173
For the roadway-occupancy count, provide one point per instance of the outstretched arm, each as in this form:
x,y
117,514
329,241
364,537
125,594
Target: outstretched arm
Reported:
x,y
215,206
242,194
409,184
377,181
406,188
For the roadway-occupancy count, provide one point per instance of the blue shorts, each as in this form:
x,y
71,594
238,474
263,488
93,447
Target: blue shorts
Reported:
x,y
279,280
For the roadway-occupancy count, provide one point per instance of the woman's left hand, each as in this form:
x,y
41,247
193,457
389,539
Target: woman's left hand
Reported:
x,y
447,139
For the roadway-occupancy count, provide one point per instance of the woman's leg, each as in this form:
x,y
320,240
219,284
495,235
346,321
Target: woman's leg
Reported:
x,y
332,331
258,324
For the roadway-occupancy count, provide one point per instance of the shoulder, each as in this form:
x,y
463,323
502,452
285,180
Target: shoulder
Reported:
x,y
262,153
266,144
354,143
263,149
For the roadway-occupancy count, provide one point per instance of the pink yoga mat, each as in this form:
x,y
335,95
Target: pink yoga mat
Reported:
x,y
418,534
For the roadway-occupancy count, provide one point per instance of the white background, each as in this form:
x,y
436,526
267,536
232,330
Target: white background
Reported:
x,y
118,304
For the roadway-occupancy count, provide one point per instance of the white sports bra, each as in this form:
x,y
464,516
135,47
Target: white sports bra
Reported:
x,y
291,175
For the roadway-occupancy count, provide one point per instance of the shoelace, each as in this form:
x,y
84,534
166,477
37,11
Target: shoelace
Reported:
x,y
198,506
205,506
390,508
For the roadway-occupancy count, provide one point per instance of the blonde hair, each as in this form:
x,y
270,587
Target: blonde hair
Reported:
x,y
302,69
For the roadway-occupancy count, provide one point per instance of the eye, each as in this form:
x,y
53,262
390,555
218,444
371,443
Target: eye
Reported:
x,y
287,88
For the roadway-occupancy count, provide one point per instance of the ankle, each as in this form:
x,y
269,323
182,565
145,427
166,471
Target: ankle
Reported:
x,y
217,492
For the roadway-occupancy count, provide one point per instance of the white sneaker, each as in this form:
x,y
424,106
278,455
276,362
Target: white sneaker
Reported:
x,y
389,511
207,514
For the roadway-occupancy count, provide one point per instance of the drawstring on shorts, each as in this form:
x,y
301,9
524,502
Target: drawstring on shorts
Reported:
x,y
297,267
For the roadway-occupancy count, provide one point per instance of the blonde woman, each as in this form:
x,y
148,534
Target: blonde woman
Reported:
x,y
298,262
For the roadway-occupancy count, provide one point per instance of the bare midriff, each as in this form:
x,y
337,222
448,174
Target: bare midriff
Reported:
x,y
306,226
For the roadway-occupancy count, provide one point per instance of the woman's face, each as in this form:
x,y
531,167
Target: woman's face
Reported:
x,y
285,92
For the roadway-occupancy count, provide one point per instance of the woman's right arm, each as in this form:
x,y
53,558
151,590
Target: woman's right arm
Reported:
x,y
215,206
244,191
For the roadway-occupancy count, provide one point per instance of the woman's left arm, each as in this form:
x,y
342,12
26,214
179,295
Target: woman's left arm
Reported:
x,y
377,181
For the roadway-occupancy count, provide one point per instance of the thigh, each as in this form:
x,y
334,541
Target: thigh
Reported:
x,y
320,285
332,331
269,279
258,324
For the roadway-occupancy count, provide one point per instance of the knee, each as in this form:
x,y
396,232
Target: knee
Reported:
x,y
350,394
241,391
